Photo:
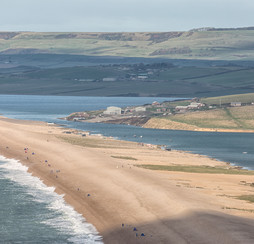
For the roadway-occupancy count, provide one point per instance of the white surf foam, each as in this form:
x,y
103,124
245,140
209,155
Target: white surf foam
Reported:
x,y
63,217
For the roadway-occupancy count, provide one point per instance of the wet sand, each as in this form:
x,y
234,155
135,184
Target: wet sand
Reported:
x,y
99,179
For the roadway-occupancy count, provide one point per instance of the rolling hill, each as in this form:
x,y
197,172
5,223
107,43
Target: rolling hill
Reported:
x,y
206,43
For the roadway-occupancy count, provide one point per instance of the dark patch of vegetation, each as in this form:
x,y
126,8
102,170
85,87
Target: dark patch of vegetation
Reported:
x,y
124,157
248,198
117,36
240,209
66,36
175,50
164,36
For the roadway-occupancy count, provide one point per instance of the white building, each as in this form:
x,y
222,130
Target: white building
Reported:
x,y
195,105
113,111
140,109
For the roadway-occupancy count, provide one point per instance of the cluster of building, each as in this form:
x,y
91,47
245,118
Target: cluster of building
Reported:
x,y
191,106
155,108
118,111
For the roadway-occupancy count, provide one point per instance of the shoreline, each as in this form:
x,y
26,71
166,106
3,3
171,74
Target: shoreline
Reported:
x,y
69,221
115,196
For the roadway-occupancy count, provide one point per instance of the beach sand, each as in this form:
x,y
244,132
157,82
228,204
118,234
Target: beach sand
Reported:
x,y
116,197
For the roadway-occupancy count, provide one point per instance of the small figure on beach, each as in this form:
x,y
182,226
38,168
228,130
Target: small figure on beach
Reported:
x,y
88,195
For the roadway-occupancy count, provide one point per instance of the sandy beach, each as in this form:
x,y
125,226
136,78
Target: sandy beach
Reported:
x,y
100,180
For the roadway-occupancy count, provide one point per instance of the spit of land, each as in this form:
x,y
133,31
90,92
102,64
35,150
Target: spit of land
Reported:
x,y
136,193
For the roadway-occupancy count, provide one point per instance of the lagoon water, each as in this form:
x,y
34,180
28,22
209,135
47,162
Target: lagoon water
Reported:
x,y
58,222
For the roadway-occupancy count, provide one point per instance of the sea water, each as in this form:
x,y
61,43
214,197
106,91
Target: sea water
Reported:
x,y
31,212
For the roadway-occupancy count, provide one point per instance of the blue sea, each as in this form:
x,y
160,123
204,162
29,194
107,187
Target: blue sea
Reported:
x,y
31,212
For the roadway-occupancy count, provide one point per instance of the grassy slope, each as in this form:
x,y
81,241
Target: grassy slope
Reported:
x,y
225,118
226,45
244,98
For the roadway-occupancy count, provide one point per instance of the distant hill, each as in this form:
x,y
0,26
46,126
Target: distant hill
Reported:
x,y
196,63
203,43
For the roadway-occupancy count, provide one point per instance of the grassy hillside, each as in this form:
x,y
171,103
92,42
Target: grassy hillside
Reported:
x,y
214,44
243,98
225,118
220,118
